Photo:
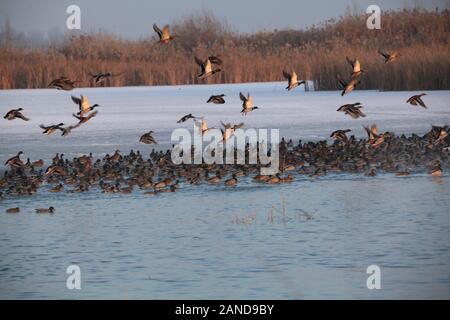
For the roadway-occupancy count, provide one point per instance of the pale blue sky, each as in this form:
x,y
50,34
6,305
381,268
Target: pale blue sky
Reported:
x,y
134,18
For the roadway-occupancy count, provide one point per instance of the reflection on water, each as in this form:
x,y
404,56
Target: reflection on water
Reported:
x,y
190,245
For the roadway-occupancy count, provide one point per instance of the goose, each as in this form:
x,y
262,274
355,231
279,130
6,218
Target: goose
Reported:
x,y
13,210
83,119
206,66
292,80
15,161
15,114
50,129
417,100
62,83
389,57
218,99
356,65
352,109
348,87
247,103
45,210
147,138
340,135
164,34
186,118
83,105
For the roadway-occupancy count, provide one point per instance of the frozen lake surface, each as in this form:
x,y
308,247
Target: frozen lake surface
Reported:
x,y
188,244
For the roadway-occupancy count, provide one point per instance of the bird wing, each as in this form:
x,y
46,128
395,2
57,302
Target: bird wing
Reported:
x,y
385,55
356,66
294,77
421,103
85,105
352,62
76,100
157,30
215,60
165,32
287,76
242,97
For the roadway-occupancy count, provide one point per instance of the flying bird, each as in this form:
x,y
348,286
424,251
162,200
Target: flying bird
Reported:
x,y
292,80
348,87
147,138
389,57
84,105
164,34
417,100
218,99
15,114
186,118
50,129
83,119
62,83
206,68
352,109
247,103
356,65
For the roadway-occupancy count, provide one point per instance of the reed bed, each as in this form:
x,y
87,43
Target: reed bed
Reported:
x,y
317,53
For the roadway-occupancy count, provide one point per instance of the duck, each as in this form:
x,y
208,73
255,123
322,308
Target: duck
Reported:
x,y
352,109
436,171
13,210
101,76
67,130
62,83
274,179
229,129
15,161
292,80
186,118
84,105
231,182
83,119
340,135
247,103
374,138
356,65
48,130
164,34
147,138
58,188
417,100
216,99
203,127
389,57
15,114
206,68
348,87
45,210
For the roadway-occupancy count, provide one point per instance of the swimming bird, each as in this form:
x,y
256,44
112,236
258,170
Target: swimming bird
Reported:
x,y
13,210
83,105
186,118
348,87
356,65
352,109
247,103
417,100
83,119
232,181
147,138
62,83
15,114
15,161
45,210
389,57
52,128
436,171
340,135
292,80
206,68
164,34
218,99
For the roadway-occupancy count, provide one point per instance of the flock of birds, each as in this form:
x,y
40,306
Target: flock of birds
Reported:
x,y
158,174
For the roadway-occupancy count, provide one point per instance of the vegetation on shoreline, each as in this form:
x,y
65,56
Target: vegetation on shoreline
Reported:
x,y
317,53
